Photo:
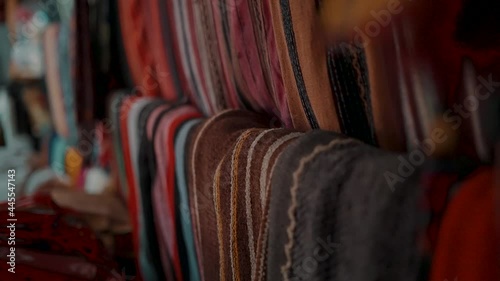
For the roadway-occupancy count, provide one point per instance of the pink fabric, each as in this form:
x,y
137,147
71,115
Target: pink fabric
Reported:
x,y
243,37
276,78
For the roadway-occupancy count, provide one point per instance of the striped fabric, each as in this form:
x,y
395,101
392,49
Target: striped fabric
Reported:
x,y
135,200
115,112
182,198
348,76
165,70
231,160
240,190
210,143
67,54
189,55
232,198
269,56
275,192
220,54
302,53
334,216
247,57
137,47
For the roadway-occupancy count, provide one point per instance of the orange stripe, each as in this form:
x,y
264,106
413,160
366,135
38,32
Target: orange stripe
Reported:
x,y
216,191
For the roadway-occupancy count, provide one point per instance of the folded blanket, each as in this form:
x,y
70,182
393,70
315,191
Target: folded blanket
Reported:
x,y
165,73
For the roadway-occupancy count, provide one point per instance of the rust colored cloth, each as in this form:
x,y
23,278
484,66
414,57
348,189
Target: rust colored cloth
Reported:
x,y
467,245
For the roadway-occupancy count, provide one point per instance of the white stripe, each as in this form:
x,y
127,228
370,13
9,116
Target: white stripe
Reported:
x,y
248,202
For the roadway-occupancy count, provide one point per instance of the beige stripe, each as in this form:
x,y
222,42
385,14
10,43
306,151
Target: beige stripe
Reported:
x,y
293,206
263,235
216,192
357,66
248,202
235,263
265,163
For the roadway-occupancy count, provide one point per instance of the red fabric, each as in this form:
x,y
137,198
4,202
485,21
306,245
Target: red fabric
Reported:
x,y
467,245
161,66
187,88
247,54
137,47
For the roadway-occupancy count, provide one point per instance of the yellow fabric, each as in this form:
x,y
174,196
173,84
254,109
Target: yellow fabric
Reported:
x,y
73,163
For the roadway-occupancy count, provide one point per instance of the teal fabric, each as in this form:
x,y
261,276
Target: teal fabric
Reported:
x,y
183,202
65,9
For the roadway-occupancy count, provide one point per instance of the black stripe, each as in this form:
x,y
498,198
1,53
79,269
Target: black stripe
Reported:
x,y
353,113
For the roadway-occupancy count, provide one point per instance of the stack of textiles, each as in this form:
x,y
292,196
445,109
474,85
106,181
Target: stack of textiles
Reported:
x,y
253,147
53,242
381,85
265,56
